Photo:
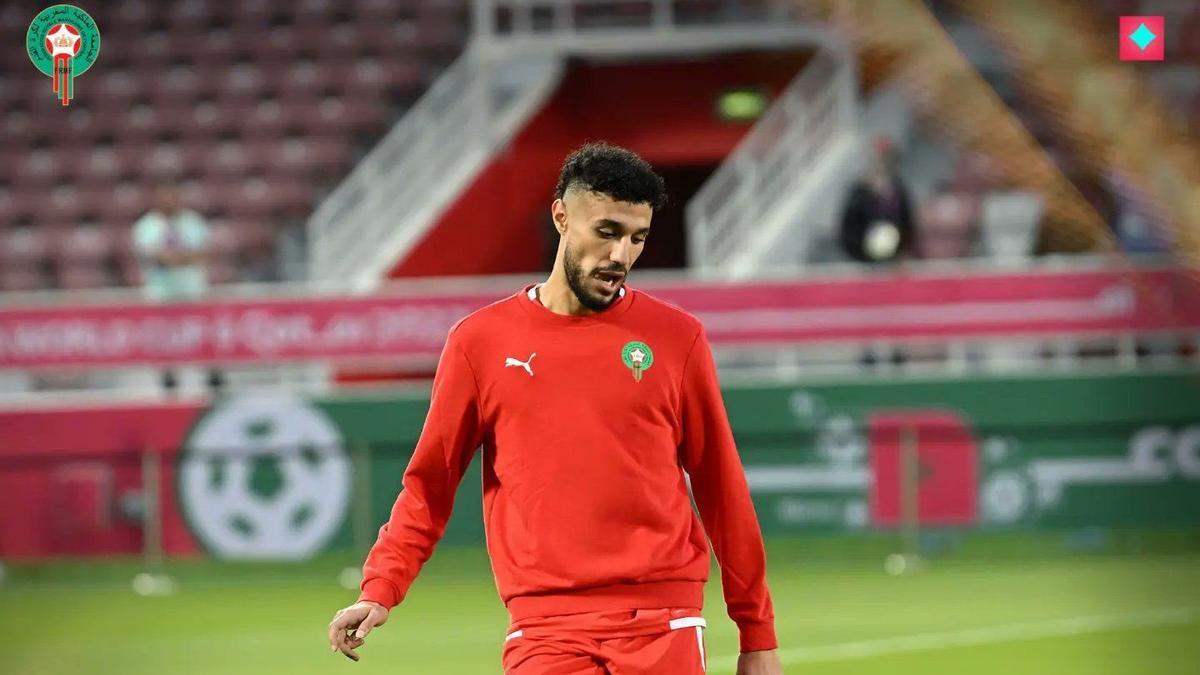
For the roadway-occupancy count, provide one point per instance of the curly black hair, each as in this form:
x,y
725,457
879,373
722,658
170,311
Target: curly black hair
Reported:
x,y
612,171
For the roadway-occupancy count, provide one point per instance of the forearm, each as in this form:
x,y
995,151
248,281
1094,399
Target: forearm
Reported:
x,y
452,433
405,543
730,521
723,498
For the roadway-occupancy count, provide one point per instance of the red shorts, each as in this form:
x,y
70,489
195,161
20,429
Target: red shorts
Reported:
x,y
628,642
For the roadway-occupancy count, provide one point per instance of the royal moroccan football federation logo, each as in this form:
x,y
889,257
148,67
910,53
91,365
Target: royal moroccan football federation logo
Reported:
x,y
637,357
63,42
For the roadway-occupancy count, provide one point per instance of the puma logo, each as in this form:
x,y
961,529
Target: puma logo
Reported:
x,y
510,361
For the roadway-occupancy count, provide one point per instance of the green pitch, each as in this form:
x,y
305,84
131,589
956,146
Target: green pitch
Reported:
x,y
982,610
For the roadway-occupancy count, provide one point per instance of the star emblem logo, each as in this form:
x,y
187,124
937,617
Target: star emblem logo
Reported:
x,y
637,357
63,40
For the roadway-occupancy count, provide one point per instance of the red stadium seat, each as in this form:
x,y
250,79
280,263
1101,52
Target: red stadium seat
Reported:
x,y
318,12
221,270
225,239
99,164
43,167
205,195
245,79
120,240
188,16
133,13
265,119
84,245
130,273
8,205
194,156
176,86
93,197
123,84
254,236
25,246
312,153
13,17
226,159
21,203
129,202
369,12
220,118
132,158
25,278
62,207
84,277
314,77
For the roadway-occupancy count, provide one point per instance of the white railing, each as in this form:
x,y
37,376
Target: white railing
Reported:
x,y
390,198
514,18
774,161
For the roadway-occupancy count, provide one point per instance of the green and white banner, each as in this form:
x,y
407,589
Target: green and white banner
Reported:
x,y
287,477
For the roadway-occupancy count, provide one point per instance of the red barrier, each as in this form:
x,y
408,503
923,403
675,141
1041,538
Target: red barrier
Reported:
x,y
64,474
993,305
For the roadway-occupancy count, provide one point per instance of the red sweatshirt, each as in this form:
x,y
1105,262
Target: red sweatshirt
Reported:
x,y
587,426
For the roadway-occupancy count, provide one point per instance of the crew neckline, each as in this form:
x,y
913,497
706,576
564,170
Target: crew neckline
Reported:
x,y
539,312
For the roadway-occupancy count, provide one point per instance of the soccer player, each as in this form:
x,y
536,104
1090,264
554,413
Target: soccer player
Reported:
x,y
594,404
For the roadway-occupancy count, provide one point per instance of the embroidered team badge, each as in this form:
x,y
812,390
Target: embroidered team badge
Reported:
x,y
637,357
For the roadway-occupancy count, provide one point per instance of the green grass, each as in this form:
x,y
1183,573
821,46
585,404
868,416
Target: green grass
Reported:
x,y
67,619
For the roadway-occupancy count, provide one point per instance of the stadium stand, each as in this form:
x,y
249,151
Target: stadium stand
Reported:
x,y
254,107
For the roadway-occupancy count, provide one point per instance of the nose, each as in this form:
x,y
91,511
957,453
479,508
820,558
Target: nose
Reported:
x,y
621,253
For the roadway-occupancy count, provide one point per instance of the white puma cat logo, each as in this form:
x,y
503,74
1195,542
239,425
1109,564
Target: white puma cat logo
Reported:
x,y
510,361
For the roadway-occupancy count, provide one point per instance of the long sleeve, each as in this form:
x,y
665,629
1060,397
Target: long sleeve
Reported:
x,y
452,432
723,499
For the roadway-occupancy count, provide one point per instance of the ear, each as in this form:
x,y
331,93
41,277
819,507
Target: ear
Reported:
x,y
558,211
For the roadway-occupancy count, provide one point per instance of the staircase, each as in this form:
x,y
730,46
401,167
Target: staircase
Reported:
x,y
392,199
745,217
386,204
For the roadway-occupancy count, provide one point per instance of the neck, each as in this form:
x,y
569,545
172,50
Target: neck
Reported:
x,y
556,295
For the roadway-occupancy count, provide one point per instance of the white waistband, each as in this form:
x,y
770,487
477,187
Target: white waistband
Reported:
x,y
688,622
673,624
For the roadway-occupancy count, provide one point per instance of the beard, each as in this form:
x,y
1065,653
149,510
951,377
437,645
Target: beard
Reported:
x,y
594,299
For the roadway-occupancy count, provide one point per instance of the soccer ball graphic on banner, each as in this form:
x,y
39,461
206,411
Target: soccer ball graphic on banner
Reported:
x,y
264,479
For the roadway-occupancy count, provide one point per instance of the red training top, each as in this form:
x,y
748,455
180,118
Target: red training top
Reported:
x,y
587,424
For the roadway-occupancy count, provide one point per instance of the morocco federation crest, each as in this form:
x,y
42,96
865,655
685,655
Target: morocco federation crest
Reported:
x,y
63,42
637,357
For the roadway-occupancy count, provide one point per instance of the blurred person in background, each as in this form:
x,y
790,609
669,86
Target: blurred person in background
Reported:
x,y
877,221
171,241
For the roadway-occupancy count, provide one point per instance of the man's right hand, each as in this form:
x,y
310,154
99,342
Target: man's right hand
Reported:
x,y
350,626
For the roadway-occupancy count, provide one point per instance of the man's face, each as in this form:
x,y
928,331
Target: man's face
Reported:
x,y
602,239
166,200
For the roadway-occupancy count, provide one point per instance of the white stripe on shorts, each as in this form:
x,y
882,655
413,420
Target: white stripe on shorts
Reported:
x,y
688,622
514,635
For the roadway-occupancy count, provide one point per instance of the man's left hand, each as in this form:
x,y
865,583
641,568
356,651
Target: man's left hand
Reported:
x,y
760,663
